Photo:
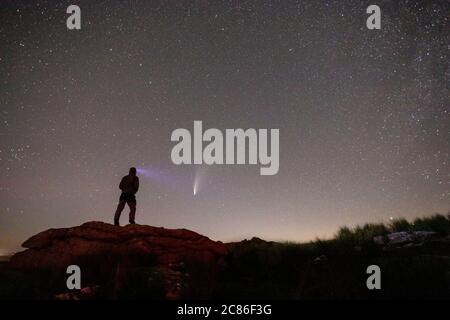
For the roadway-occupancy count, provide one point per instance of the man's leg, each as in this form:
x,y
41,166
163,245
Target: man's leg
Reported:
x,y
132,206
120,207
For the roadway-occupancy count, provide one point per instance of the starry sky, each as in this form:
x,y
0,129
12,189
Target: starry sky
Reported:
x,y
364,115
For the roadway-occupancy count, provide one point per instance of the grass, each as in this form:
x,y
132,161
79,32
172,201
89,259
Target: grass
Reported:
x,y
437,223
361,235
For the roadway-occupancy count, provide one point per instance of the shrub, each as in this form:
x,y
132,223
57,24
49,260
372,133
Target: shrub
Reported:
x,y
345,234
437,223
400,224
360,234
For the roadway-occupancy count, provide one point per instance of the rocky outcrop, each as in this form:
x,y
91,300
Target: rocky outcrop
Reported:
x,y
404,238
184,262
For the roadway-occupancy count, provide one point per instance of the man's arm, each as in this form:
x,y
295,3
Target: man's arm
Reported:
x,y
136,185
121,184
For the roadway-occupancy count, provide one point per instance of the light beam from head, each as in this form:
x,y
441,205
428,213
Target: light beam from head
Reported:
x,y
165,177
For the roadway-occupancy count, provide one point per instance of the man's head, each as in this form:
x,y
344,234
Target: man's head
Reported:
x,y
132,171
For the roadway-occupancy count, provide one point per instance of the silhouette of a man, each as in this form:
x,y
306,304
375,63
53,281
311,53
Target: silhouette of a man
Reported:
x,y
129,186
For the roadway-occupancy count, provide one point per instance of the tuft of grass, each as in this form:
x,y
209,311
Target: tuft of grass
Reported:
x,y
437,223
399,225
360,234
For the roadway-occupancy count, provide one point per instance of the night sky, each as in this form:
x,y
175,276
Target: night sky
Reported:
x,y
364,115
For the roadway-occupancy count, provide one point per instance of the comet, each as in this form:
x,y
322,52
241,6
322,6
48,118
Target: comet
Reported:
x,y
199,176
